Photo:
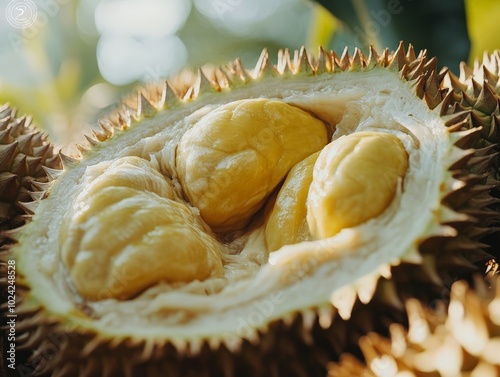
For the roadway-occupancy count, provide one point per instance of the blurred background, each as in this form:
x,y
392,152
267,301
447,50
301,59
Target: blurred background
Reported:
x,y
67,62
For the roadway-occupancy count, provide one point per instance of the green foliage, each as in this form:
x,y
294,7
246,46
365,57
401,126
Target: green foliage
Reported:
x,y
49,69
439,26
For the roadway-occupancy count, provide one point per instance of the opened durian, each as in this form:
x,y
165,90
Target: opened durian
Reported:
x,y
231,228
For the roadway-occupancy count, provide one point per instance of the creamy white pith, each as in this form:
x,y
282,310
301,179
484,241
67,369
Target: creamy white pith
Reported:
x,y
256,288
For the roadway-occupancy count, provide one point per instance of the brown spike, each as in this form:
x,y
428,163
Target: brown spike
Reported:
x,y
42,150
38,139
52,173
5,110
455,83
7,154
67,161
419,87
344,61
432,95
487,101
37,195
20,166
82,148
144,107
494,128
303,65
54,160
99,135
373,57
491,78
476,88
124,118
106,128
25,143
398,59
33,164
446,103
410,54
482,163
358,60
93,142
431,65
324,63
18,125
29,207
415,69
202,85
4,123
283,64
5,137
461,118
222,78
240,71
465,72
9,187
264,66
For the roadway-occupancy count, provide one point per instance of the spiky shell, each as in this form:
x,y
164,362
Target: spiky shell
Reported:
x,y
461,340
476,94
27,162
286,341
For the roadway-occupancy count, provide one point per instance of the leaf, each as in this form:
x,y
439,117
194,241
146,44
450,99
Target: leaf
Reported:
x,y
323,26
483,25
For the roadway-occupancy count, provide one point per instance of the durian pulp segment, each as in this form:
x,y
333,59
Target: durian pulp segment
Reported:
x,y
287,223
105,260
354,179
231,160
259,288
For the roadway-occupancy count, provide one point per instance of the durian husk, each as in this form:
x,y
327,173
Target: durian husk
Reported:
x,y
476,97
302,343
460,340
28,162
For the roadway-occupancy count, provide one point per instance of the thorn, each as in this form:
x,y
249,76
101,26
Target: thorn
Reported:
x,y
344,61
324,61
358,60
67,161
302,64
398,58
28,207
52,174
264,66
93,142
144,107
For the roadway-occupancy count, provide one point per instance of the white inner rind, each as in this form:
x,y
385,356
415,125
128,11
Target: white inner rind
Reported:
x,y
258,289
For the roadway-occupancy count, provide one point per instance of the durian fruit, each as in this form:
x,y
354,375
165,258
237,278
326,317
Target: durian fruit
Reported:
x,y
462,340
28,163
96,266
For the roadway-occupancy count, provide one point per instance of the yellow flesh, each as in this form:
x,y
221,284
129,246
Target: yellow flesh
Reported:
x,y
129,230
287,222
127,233
354,179
234,157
